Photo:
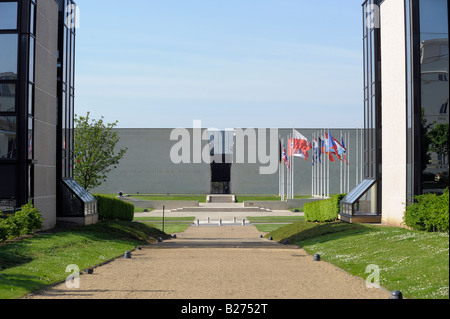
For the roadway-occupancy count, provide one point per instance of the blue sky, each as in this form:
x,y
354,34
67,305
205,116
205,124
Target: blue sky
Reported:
x,y
233,63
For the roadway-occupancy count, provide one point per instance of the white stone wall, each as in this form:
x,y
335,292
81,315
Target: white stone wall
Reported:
x,y
393,111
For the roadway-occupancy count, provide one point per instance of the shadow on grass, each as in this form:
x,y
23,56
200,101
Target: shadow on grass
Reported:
x,y
20,252
303,231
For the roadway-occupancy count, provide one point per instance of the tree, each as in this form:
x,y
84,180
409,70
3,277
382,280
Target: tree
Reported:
x,y
94,149
439,137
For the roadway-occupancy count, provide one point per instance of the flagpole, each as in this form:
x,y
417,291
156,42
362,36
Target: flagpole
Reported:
x,y
312,169
279,165
293,165
362,154
329,154
348,171
282,174
340,171
357,159
324,165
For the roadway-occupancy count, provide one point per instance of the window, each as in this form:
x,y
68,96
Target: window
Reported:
x,y
8,143
8,15
7,97
434,65
8,56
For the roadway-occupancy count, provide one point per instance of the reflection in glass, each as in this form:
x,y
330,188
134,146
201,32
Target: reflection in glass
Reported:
x,y
8,15
8,56
8,144
434,95
7,97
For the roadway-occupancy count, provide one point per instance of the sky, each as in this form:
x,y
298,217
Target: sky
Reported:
x,y
226,63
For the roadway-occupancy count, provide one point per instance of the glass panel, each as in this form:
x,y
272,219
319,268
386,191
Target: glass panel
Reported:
x,y
7,97
8,143
32,18
434,61
8,15
30,99
7,190
367,204
31,65
8,56
30,138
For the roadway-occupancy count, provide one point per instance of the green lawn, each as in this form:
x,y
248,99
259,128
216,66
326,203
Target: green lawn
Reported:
x,y
172,225
268,224
414,262
34,263
199,198
257,198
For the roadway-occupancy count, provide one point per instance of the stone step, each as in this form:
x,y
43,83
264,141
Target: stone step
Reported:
x,y
220,209
220,199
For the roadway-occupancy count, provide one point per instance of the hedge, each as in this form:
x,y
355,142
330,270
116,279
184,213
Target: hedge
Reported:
x,y
429,213
114,209
23,222
323,211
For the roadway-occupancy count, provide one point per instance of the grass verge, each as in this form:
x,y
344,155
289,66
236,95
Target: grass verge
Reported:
x,y
172,225
414,262
33,263
269,224
198,198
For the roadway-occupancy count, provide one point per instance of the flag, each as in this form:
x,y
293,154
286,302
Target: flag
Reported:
x,y
331,144
320,150
331,157
285,158
280,150
345,152
300,145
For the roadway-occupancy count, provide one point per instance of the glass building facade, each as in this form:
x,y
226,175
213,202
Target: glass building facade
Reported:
x,y
37,108
426,61
17,81
427,68
364,200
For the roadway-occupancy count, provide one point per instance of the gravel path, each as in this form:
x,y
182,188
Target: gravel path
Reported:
x,y
229,262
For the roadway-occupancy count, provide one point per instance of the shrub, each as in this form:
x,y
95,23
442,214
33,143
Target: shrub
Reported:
x,y
114,209
323,211
28,219
23,222
430,212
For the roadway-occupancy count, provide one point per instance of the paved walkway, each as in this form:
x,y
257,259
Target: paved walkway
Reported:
x,y
228,262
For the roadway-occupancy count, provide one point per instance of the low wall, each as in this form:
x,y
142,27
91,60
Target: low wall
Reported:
x,y
159,204
82,221
291,203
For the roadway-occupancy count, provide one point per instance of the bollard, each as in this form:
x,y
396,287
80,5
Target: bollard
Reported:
x,y
234,220
316,257
198,222
174,236
220,222
270,238
286,242
209,220
127,255
260,236
397,295
90,271
139,248
160,240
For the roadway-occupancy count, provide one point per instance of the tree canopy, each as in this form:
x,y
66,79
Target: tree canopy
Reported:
x,y
95,150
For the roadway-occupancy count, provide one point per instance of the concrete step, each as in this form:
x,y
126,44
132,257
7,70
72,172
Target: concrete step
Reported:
x,y
220,209
220,199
